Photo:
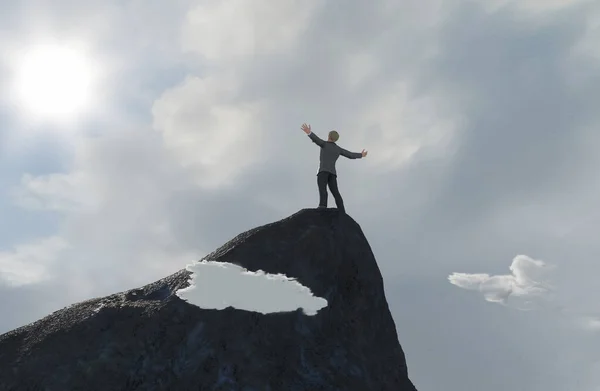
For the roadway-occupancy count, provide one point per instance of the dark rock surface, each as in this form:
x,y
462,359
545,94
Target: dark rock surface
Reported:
x,y
150,339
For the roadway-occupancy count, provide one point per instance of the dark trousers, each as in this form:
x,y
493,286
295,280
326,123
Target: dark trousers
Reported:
x,y
325,178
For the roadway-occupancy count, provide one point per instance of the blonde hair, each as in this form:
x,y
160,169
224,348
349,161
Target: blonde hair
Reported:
x,y
334,136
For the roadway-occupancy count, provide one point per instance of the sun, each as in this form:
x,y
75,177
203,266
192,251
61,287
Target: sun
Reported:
x,y
53,82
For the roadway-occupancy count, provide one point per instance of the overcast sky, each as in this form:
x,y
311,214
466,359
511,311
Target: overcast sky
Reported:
x,y
179,128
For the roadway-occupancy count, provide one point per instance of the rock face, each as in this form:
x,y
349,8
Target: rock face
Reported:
x,y
150,339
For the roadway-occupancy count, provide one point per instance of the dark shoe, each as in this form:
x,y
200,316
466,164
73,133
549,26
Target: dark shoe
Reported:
x,y
321,207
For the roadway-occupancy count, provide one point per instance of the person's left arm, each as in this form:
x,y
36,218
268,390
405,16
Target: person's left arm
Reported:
x,y
313,137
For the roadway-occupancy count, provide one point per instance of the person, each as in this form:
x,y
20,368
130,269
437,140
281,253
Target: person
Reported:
x,y
327,174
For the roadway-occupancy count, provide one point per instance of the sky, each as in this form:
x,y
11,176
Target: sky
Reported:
x,y
138,136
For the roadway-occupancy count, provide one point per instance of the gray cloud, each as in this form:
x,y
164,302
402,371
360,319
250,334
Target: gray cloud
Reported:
x,y
31,263
524,123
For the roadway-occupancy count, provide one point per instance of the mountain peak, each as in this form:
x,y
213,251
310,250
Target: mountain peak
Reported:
x,y
152,338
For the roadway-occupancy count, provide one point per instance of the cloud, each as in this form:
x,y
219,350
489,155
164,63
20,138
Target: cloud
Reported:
x,y
208,123
524,282
533,6
207,131
73,192
591,323
410,124
31,263
528,287
240,29
218,285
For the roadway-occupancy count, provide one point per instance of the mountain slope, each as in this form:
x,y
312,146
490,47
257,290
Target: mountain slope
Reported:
x,y
150,339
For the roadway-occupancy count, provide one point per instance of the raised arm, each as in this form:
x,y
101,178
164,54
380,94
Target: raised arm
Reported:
x,y
316,139
353,155
313,137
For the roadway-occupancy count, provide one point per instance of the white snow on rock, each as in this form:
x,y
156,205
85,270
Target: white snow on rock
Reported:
x,y
218,285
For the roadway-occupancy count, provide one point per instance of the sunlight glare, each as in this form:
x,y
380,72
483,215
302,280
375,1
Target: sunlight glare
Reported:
x,y
54,82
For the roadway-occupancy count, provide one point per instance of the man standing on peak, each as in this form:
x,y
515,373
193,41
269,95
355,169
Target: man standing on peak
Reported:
x,y
327,175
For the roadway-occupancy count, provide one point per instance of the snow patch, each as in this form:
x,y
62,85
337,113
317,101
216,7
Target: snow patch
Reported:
x,y
218,285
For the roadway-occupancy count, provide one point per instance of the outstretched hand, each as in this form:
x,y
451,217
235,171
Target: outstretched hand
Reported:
x,y
306,128
364,153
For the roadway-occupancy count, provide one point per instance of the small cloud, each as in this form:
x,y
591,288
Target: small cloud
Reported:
x,y
525,281
57,192
531,6
218,285
30,263
527,289
590,323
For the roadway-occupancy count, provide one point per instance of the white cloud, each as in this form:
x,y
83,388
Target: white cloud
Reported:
x,y
114,204
206,131
204,123
527,288
218,285
524,282
398,126
229,30
59,192
589,323
30,263
588,44
533,6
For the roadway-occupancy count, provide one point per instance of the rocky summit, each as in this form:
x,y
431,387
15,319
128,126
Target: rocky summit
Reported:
x,y
151,339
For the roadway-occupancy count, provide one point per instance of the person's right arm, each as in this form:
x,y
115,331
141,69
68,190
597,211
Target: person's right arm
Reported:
x,y
353,155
